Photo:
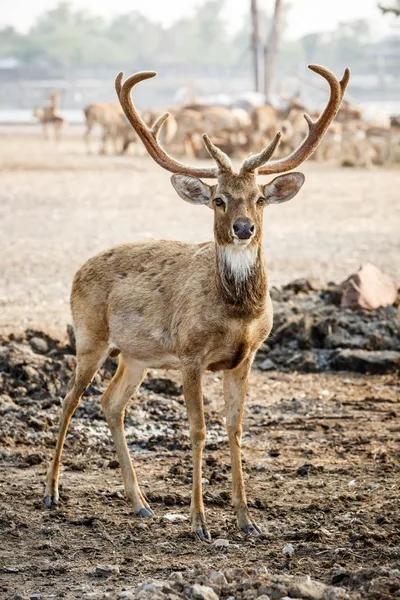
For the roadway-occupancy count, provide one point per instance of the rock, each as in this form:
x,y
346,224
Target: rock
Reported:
x,y
174,517
221,543
106,570
7,404
369,288
36,424
366,361
308,588
394,573
341,338
336,593
203,592
267,365
217,578
33,459
30,373
127,595
288,549
302,285
39,345
177,469
176,576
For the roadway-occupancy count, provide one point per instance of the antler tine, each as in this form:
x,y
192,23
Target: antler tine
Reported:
x,y
345,80
149,136
222,159
316,129
254,161
158,123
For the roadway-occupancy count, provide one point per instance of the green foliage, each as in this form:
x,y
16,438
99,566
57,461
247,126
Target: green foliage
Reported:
x,y
65,38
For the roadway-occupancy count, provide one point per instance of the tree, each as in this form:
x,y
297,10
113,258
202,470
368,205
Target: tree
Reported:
x,y
391,9
271,49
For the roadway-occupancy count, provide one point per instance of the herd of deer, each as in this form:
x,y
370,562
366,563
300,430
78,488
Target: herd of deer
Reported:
x,y
193,307
350,141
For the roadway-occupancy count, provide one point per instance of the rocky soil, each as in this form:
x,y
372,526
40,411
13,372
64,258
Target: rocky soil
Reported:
x,y
321,460
313,333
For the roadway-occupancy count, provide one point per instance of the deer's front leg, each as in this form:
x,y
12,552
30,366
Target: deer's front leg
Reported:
x,y
235,386
194,403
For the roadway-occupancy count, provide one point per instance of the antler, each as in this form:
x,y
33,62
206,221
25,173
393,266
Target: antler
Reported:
x,y
252,162
149,135
316,130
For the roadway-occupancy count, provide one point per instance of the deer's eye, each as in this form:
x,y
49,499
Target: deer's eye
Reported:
x,y
261,201
219,202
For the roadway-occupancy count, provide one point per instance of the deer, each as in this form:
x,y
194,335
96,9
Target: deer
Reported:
x,y
192,307
110,118
47,115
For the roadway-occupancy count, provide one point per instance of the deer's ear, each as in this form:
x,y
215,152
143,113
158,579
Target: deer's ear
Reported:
x,y
192,189
283,188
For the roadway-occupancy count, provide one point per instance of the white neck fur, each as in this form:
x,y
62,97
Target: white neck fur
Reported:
x,y
237,261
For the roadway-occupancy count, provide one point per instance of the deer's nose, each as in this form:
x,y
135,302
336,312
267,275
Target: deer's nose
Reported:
x,y
243,228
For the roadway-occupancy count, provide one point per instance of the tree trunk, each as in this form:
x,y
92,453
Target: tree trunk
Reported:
x,y
271,49
255,44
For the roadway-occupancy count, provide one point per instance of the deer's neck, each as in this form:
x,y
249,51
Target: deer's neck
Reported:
x,y
242,278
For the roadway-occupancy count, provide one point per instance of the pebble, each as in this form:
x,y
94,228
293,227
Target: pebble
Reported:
x,y
288,549
30,373
394,573
176,576
217,578
203,592
267,365
39,345
107,570
221,543
174,517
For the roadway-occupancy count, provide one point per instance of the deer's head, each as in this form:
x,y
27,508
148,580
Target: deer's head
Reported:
x,y
236,199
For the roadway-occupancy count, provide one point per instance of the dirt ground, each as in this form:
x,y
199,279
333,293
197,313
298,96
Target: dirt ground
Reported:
x,y
321,451
59,206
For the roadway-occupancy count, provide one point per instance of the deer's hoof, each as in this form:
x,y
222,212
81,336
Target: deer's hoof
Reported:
x,y
203,535
199,527
51,501
251,529
144,512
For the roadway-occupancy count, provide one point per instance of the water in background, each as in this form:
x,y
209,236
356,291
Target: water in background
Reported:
x,y
25,117
76,117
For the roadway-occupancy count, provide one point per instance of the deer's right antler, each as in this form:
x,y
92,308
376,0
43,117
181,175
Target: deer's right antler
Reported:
x,y
316,130
149,135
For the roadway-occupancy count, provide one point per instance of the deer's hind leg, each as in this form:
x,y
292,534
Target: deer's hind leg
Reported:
x,y
89,360
124,384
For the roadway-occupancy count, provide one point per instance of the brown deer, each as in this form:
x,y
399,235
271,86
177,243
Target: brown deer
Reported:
x,y
167,304
48,115
110,118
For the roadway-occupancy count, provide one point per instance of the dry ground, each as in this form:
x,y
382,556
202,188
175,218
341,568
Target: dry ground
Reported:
x,y
321,451
321,461
59,206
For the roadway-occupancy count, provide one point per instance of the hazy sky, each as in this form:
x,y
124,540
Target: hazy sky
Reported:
x,y
305,15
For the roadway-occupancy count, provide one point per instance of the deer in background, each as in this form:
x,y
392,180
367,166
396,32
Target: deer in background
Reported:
x,y
48,116
110,117
193,307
